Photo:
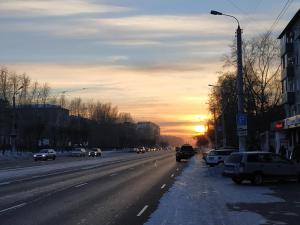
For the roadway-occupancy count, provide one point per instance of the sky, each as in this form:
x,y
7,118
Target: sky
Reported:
x,y
152,58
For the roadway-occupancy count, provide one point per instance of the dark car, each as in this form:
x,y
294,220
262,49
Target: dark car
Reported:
x,y
259,166
95,152
185,152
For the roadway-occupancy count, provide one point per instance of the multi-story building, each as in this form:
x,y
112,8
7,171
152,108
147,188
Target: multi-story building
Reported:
x,y
40,124
290,50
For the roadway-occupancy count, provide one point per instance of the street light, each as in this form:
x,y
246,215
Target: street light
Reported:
x,y
13,134
223,114
240,93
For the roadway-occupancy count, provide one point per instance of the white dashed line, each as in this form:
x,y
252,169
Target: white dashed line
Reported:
x,y
162,187
177,169
172,175
13,207
80,185
113,174
142,211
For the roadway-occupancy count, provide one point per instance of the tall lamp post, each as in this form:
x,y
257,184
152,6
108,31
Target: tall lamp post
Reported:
x,y
13,134
241,118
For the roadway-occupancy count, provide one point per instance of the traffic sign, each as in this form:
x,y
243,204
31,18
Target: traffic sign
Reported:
x,y
241,121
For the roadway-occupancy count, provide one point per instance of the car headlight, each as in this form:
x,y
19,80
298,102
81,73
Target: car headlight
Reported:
x,y
44,155
34,155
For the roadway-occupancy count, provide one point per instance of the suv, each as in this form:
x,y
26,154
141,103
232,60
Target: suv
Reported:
x,y
95,152
185,152
258,166
216,157
78,152
45,154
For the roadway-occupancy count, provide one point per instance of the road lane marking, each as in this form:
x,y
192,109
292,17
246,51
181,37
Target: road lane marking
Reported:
x,y
172,175
142,211
113,174
177,169
13,207
80,185
162,187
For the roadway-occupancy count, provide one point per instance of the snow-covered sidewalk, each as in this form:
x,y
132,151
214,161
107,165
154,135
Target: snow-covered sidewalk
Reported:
x,y
201,196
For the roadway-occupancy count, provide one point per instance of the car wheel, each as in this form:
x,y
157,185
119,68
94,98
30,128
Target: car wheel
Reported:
x,y
35,159
178,159
54,158
257,179
237,180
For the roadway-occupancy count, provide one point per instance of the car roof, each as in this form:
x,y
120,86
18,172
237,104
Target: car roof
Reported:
x,y
252,152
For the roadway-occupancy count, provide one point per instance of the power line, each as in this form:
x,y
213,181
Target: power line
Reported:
x,y
280,15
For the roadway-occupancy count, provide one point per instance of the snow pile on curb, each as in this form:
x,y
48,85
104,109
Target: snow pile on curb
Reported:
x,y
200,196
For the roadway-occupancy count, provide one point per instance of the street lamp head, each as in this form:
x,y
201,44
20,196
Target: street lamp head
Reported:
x,y
213,12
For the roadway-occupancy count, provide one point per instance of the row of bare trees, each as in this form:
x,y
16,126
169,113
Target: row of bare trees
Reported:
x,y
25,90
90,121
262,88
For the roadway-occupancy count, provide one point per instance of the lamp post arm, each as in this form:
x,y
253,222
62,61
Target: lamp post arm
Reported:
x,y
233,18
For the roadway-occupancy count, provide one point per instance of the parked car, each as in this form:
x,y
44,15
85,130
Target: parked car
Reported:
x,y
185,152
45,154
79,152
216,157
95,152
259,166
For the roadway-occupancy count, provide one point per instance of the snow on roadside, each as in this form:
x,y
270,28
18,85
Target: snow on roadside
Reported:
x,y
200,195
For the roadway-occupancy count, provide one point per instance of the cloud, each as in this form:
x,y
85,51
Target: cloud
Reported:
x,y
34,8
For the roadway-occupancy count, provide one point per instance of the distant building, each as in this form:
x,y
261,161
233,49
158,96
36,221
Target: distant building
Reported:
x,y
290,50
44,122
5,124
148,133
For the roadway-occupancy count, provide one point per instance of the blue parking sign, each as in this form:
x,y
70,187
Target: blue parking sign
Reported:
x,y
241,121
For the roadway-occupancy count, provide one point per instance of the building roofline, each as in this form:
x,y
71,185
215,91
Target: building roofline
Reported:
x,y
290,24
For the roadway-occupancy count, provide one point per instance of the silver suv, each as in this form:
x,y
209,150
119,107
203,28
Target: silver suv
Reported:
x,y
258,166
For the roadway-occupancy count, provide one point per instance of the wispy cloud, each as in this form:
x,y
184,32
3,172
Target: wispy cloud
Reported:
x,y
34,8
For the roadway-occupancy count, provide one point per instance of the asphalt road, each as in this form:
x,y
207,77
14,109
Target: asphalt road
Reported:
x,y
122,193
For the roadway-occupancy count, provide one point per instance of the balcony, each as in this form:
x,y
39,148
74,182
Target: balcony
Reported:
x,y
288,98
287,48
289,71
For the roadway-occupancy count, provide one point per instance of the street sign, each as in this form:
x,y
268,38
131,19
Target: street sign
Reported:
x,y
241,121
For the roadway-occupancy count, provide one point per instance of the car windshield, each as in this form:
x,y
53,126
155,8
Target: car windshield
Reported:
x,y
44,151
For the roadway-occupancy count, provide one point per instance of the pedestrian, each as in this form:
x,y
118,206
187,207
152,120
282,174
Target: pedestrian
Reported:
x,y
282,151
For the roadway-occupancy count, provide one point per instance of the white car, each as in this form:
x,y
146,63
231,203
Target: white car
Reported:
x,y
45,154
216,157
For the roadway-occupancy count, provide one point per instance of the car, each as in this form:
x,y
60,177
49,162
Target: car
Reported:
x,y
79,152
259,166
95,152
185,152
140,150
45,154
216,157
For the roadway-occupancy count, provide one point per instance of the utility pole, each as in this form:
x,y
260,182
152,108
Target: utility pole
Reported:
x,y
240,86
13,133
241,117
